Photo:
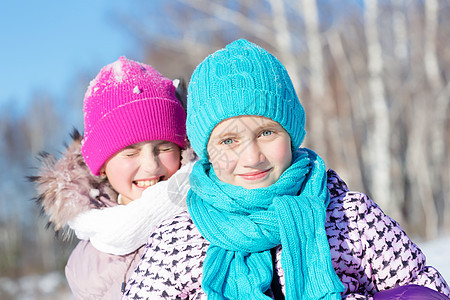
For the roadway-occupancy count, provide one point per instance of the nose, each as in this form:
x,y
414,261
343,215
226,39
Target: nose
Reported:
x,y
251,154
149,161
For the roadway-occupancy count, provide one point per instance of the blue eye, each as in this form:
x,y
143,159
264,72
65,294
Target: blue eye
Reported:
x,y
227,141
266,133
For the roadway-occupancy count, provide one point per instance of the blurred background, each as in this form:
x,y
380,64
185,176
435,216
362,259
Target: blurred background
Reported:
x,y
372,75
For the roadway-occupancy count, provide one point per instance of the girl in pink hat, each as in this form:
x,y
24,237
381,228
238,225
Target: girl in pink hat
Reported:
x,y
126,174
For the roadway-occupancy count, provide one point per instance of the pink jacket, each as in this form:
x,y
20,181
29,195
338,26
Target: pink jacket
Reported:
x,y
370,252
92,274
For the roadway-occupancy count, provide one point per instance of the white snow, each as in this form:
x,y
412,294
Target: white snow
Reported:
x,y
136,90
438,254
118,70
35,287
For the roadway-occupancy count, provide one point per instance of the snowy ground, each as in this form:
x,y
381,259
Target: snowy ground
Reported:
x,y
53,286
438,255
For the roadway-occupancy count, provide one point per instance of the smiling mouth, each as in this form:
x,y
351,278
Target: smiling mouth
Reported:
x,y
255,175
146,183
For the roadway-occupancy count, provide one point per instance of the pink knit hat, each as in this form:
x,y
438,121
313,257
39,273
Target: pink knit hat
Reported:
x,y
127,103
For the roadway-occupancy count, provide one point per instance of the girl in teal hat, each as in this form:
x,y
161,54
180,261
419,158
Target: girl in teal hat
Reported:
x,y
265,218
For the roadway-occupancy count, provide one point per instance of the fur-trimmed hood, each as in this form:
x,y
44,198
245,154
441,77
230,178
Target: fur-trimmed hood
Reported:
x,y
66,187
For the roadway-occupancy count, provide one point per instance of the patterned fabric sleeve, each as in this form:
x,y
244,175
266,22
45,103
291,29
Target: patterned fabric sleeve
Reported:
x,y
370,251
171,266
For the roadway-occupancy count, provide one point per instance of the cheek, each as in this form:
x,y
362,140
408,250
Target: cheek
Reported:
x,y
117,166
119,173
171,162
223,161
224,165
282,155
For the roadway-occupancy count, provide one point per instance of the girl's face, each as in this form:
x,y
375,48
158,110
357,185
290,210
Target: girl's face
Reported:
x,y
134,168
249,151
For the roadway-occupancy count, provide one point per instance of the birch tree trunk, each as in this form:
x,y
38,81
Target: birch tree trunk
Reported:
x,y
319,101
377,151
283,41
401,99
418,168
439,114
348,119
400,31
430,61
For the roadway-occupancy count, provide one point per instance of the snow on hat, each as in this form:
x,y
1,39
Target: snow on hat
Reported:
x,y
241,79
126,103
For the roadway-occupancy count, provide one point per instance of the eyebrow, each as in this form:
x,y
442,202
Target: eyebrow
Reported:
x,y
163,142
225,134
131,147
268,125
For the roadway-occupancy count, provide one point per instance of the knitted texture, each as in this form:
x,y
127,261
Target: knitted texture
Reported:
x,y
243,225
241,79
129,102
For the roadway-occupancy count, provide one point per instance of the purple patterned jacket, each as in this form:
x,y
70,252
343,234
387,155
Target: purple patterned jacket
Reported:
x,y
370,252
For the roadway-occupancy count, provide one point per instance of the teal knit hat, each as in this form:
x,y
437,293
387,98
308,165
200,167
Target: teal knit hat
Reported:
x,y
241,79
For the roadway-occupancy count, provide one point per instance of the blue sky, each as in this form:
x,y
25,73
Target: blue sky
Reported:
x,y
46,44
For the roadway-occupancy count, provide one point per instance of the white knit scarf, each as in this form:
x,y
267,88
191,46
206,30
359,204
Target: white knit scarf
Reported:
x,y
122,229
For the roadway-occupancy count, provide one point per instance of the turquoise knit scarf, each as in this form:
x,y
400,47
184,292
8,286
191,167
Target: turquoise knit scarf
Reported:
x,y
243,225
